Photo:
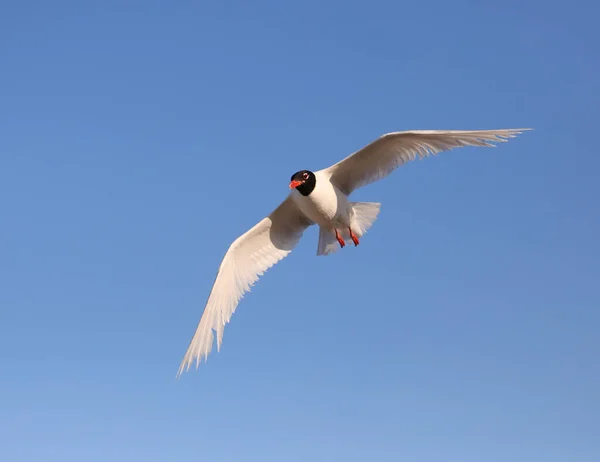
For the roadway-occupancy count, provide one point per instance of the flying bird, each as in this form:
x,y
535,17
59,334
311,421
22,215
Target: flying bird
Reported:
x,y
318,198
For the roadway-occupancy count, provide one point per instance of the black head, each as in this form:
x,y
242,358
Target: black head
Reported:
x,y
304,181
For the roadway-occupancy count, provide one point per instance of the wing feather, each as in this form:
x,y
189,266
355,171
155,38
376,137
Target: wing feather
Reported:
x,y
247,258
381,157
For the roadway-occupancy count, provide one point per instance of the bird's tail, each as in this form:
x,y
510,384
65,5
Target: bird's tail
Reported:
x,y
365,214
363,217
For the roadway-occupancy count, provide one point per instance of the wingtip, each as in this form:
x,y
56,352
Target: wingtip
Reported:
x,y
506,134
182,369
518,131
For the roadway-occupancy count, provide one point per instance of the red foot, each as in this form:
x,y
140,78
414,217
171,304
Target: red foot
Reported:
x,y
354,238
339,239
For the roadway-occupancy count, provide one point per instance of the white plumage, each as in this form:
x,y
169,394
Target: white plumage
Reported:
x,y
318,198
381,157
248,257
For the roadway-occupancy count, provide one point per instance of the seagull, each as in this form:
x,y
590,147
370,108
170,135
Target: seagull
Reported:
x,y
318,198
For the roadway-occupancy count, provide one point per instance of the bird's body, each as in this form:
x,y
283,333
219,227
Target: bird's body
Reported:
x,y
339,220
320,198
326,205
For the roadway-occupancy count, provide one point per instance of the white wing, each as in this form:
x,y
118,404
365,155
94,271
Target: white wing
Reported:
x,y
248,257
380,158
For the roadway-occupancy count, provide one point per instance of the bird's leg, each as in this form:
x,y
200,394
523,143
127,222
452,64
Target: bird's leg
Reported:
x,y
339,239
354,238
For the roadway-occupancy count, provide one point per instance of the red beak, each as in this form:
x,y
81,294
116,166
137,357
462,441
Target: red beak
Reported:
x,y
295,184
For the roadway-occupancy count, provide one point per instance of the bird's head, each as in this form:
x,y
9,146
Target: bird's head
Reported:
x,y
303,181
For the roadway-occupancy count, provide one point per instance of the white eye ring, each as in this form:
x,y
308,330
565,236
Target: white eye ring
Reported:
x,y
305,176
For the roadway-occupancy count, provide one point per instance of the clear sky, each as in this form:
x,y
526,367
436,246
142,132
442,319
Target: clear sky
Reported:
x,y
139,139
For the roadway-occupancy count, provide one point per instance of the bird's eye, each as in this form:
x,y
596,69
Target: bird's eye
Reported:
x,y
305,176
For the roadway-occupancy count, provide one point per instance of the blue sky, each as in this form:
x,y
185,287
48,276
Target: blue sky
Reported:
x,y
140,138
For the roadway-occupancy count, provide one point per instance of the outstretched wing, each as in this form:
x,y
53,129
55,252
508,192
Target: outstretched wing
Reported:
x,y
248,257
380,158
